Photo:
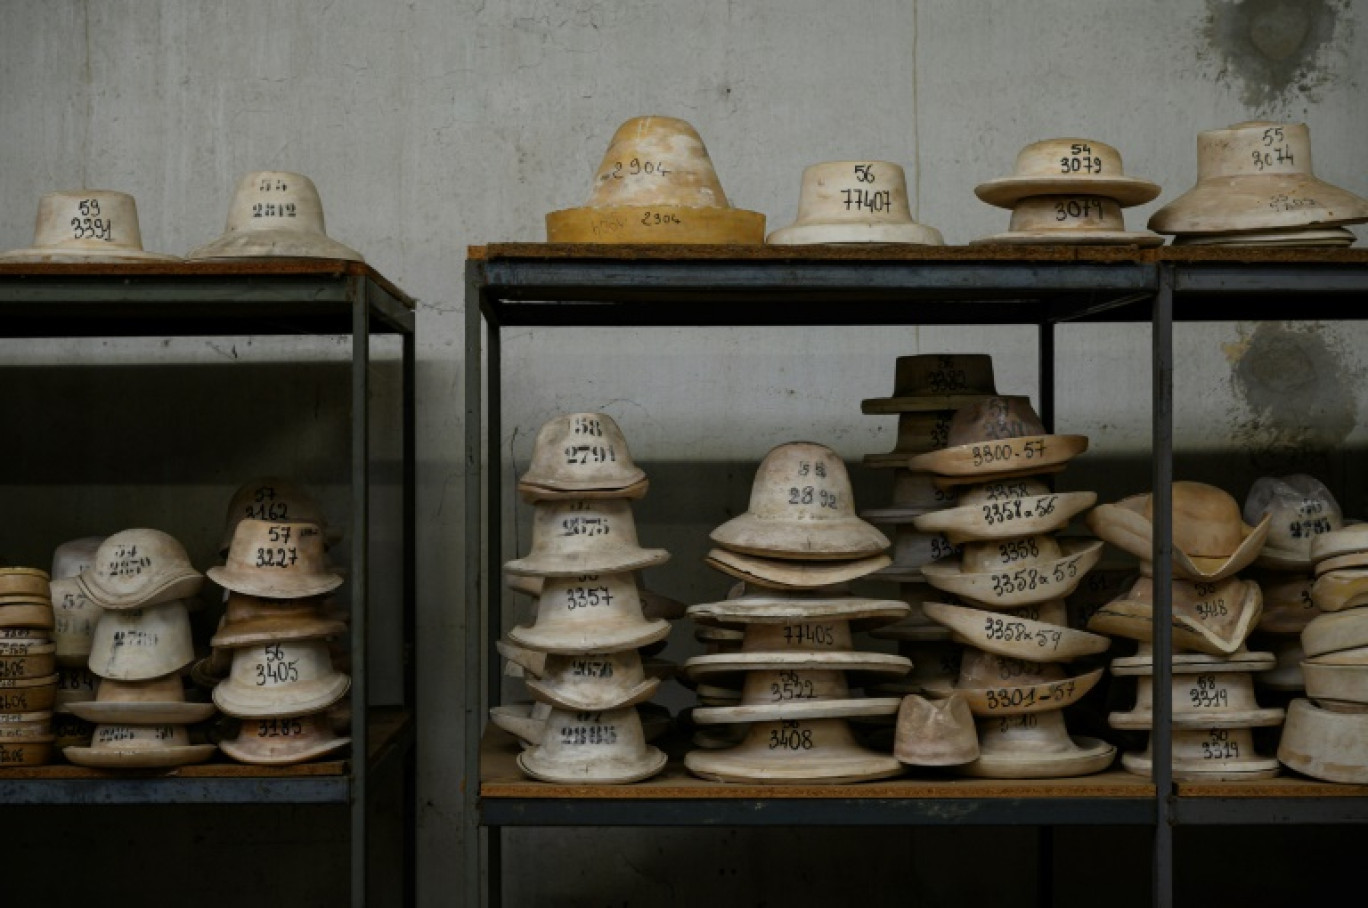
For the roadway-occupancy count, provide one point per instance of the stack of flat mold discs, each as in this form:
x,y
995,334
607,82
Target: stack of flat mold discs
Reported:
x,y
28,667
796,664
1326,735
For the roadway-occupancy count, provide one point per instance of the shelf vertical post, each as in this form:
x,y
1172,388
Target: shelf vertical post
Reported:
x,y
410,605
1161,732
360,579
474,602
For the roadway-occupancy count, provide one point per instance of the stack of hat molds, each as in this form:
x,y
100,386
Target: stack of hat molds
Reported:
x,y
1014,574
1255,187
1326,735
282,684
1070,191
801,541
1213,613
75,617
590,622
927,391
140,579
28,667
1302,509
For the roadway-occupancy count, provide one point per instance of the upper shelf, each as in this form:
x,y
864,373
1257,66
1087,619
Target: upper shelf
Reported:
x,y
199,299
600,284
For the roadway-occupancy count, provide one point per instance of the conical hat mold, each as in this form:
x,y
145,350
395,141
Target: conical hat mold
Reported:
x,y
1201,699
599,748
582,452
592,613
145,746
1302,509
656,184
277,559
1067,166
1208,754
74,620
86,226
854,202
1257,176
142,643
275,214
284,742
280,680
935,732
1035,746
272,498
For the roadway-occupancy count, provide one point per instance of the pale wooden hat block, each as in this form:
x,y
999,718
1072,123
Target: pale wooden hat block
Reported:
x,y
24,726
284,742
1067,166
142,643
252,619
1339,687
653,605
760,606
1346,540
935,732
935,382
1208,754
277,559
854,202
272,498
1257,176
918,432
599,748
116,746
1016,638
1336,631
710,665
26,661
1201,699
801,507
158,701
31,614
1035,746
74,619
275,214
582,452
656,184
1057,219
593,682
794,752
86,226
589,614
1339,590
1346,562
1214,618
1314,237
1302,509
1016,698
570,538
1324,744
281,680
33,752
993,511
1242,660
787,574
1027,581
139,567
996,438
1206,520
29,695
24,584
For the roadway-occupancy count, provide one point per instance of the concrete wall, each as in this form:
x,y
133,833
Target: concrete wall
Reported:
x,y
430,126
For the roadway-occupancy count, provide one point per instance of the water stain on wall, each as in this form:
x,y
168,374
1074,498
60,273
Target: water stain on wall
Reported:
x,y
1278,50
1297,388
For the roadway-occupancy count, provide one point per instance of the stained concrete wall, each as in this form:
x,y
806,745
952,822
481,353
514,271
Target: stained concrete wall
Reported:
x,y
431,126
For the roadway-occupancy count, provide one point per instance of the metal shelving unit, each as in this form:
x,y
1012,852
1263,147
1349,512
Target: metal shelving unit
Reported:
x,y
511,285
254,297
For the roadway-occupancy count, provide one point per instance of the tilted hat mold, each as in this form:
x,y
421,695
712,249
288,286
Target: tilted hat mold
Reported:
x,y
139,567
276,559
284,742
656,184
593,681
1214,617
854,202
1257,175
86,226
275,214
801,507
1067,166
581,452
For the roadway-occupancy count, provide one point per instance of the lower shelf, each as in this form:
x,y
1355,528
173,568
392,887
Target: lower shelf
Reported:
x,y
676,798
390,733
1289,799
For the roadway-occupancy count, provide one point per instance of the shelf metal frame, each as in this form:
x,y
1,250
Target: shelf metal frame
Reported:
x,y
256,297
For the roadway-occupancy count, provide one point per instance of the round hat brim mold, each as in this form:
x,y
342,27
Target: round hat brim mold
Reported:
x,y
281,701
599,772
255,584
1092,756
796,710
101,758
274,243
591,639
1005,192
141,713
1228,204
844,232
285,758
711,664
575,564
669,224
1141,238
